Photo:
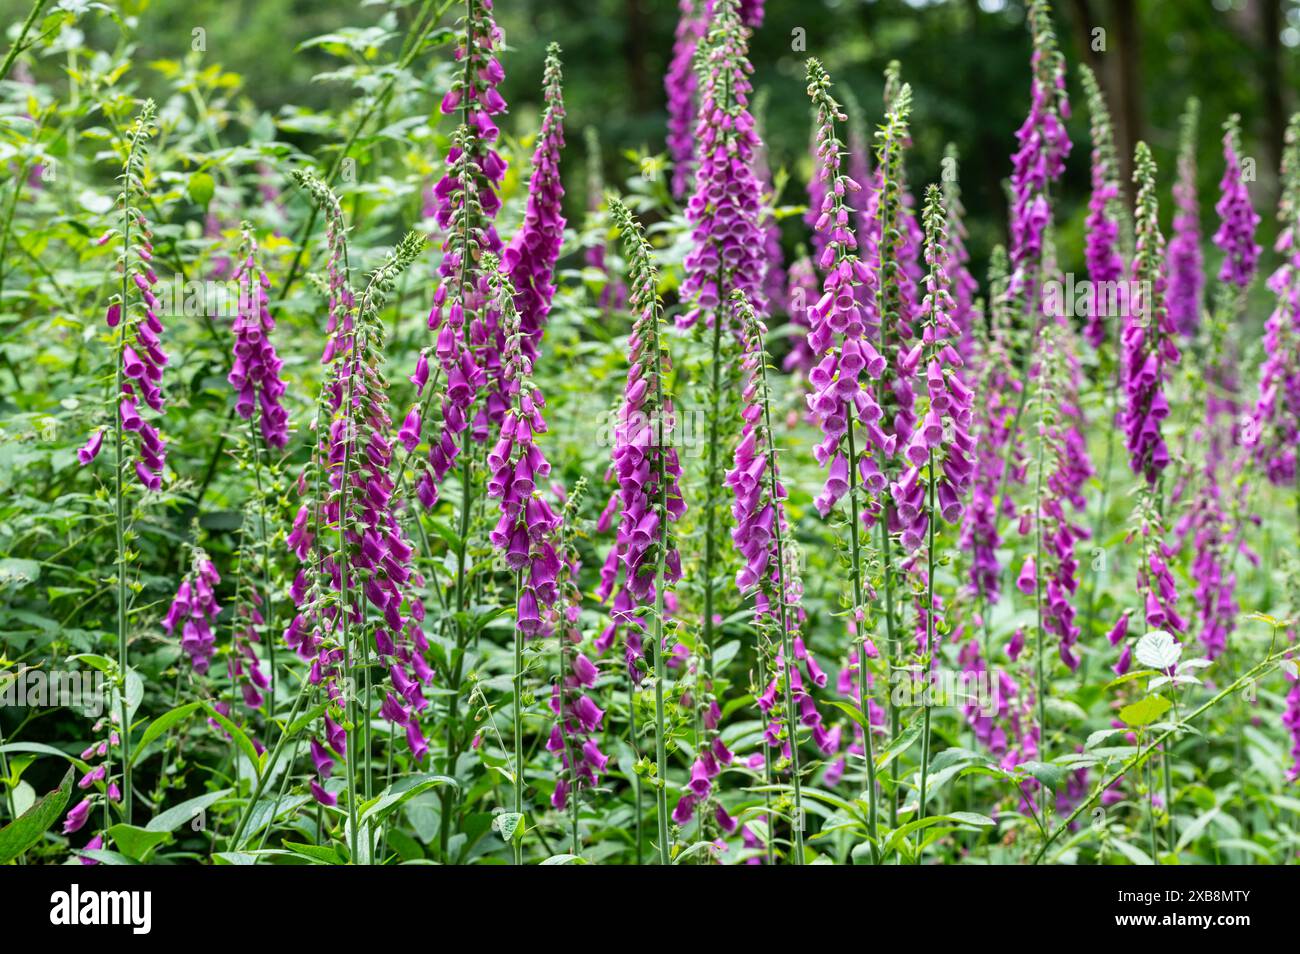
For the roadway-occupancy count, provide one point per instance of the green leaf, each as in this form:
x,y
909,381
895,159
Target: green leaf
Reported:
x,y
1049,775
29,827
397,794
201,188
243,741
106,857
973,818
135,842
853,712
510,824
186,811
1144,711
565,860
906,739
322,853
160,725
41,749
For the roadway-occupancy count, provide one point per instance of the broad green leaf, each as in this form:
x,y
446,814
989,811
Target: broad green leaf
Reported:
x,y
29,827
322,853
398,794
201,188
1144,711
137,842
185,812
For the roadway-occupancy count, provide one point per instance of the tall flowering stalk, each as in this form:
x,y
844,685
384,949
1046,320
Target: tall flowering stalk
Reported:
x,y
1036,165
997,389
1149,354
138,361
838,336
525,532
1105,210
890,312
356,603
255,376
964,288
941,447
681,84
759,536
1148,341
1040,160
647,469
578,718
1238,220
1274,430
1214,519
1186,271
529,259
467,204
725,213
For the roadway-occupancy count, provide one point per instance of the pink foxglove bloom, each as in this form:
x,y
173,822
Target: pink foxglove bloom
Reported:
x,y
1274,430
1040,159
194,610
467,205
726,210
645,461
1237,217
255,374
681,84
939,454
1148,341
529,260
1186,271
525,531
1105,205
839,327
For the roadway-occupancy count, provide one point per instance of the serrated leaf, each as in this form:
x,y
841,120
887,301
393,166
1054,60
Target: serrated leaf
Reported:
x,y
1158,650
509,824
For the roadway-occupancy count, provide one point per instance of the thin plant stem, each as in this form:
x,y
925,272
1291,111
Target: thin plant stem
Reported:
x,y
864,694
517,684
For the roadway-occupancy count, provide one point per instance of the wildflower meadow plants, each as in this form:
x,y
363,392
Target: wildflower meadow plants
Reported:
x,y
426,489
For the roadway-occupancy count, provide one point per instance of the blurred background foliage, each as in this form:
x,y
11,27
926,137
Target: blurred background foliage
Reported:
x,y
966,61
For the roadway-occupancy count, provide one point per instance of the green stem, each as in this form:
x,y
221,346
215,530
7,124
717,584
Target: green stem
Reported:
x,y
864,691
787,646
236,841
18,46
661,744
1143,756
929,652
517,683
1039,662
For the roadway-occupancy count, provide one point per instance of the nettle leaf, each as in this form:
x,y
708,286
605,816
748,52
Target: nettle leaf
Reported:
x,y
1145,711
1158,650
510,824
